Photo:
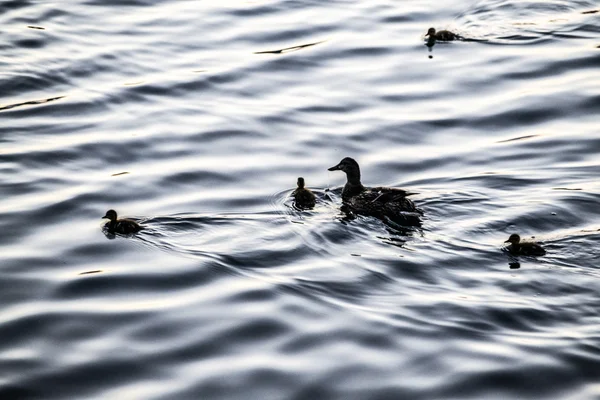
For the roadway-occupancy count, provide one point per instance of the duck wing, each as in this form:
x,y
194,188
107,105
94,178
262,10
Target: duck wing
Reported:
x,y
447,36
526,249
126,226
386,199
383,202
304,198
532,249
388,193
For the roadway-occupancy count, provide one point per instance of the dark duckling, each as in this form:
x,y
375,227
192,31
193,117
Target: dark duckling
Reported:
x,y
444,36
123,226
381,202
517,247
303,198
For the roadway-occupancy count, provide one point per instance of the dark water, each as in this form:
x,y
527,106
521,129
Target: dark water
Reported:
x,y
187,116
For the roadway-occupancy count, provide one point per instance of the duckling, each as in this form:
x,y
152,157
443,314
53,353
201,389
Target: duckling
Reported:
x,y
123,226
517,247
380,202
303,198
443,35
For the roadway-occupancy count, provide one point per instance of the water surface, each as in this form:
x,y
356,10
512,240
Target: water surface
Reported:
x,y
197,118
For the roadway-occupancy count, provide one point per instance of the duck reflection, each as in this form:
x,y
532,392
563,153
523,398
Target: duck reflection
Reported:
x,y
430,43
397,235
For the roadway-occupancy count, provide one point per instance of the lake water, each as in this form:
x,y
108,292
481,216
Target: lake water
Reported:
x,y
185,116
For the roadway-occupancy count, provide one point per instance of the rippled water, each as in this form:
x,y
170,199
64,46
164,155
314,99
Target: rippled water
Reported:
x,y
197,117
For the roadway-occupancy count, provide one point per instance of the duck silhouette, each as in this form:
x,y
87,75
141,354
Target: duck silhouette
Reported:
x,y
384,203
516,247
303,197
443,35
123,226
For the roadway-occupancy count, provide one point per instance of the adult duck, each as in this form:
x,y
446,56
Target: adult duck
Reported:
x,y
303,197
123,226
516,247
381,202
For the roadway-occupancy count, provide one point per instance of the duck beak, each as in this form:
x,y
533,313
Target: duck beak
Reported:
x,y
334,168
105,216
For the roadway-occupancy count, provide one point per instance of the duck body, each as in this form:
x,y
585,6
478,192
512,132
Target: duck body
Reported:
x,y
384,203
303,197
123,226
443,35
516,247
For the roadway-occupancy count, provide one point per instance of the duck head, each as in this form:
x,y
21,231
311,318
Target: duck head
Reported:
x,y
351,168
513,239
111,215
348,165
300,182
431,32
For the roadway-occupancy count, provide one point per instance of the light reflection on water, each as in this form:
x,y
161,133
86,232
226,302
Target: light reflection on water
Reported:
x,y
173,114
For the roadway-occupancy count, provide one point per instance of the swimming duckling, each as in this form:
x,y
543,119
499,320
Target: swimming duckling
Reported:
x,y
517,247
444,36
303,198
381,202
123,226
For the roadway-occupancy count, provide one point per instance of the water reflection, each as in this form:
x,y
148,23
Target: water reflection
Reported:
x,y
31,103
430,42
235,293
107,234
111,235
96,271
289,49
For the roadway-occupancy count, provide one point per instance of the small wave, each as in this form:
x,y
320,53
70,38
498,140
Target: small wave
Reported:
x,y
30,103
289,49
